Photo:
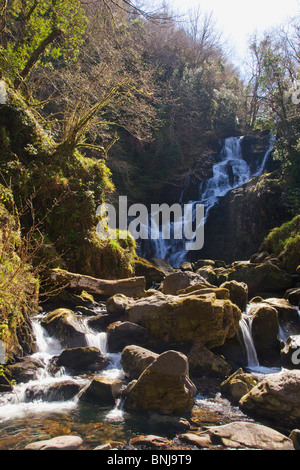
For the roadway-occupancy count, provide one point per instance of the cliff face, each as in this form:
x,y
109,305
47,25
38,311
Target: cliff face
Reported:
x,y
240,221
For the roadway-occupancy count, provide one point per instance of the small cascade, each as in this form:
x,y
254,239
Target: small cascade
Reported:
x,y
245,327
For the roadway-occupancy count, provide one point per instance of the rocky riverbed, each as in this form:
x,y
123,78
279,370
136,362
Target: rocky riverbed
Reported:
x,y
164,362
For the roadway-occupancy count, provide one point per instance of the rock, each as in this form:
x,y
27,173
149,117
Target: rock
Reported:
x,y
204,362
136,359
102,391
153,274
63,325
293,296
208,273
117,304
288,316
122,334
238,293
181,280
203,262
173,424
58,391
25,370
150,441
199,289
196,440
290,354
131,287
57,443
276,398
295,437
265,277
163,265
5,384
82,359
246,435
265,331
163,387
186,266
173,319
103,447
238,385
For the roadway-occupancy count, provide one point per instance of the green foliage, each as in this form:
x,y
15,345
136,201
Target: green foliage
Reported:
x,y
54,28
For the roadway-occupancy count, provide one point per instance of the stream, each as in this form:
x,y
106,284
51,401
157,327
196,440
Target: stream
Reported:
x,y
28,414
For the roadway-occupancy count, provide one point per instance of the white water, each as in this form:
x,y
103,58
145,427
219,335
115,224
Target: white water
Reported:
x,y
245,326
229,173
17,405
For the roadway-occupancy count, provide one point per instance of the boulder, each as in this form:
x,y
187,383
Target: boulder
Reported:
x,y
163,265
136,359
287,314
57,443
102,391
204,362
163,387
61,390
82,359
244,435
265,277
276,398
122,334
238,385
265,331
25,370
63,325
238,293
181,280
151,441
293,296
172,319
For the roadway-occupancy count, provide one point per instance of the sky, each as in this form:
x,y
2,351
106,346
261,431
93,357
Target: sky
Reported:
x,y
238,19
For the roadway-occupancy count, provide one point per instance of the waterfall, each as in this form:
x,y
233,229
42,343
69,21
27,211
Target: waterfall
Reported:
x,y
230,172
245,327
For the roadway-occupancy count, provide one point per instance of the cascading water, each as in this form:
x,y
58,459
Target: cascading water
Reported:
x,y
245,327
230,172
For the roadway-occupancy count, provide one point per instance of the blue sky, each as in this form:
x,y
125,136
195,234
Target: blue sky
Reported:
x,y
239,19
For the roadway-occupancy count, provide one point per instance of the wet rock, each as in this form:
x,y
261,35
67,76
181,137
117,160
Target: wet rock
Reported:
x,y
287,314
82,359
63,325
57,443
122,334
153,274
238,293
194,439
25,370
58,391
102,391
293,296
245,435
136,359
276,398
163,387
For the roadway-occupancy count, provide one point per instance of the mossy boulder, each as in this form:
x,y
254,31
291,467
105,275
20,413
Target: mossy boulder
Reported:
x,y
63,325
102,391
187,319
265,333
82,359
238,385
136,359
238,293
